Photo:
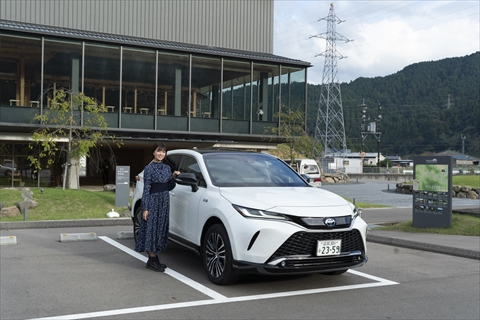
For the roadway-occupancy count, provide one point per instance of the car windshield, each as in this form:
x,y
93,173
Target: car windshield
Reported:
x,y
250,170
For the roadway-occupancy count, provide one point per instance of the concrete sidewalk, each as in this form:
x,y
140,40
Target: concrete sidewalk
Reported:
x,y
462,246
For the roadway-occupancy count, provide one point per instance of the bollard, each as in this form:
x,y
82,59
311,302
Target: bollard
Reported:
x,y
24,214
388,187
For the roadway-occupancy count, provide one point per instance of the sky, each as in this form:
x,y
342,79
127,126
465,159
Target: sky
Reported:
x,y
386,36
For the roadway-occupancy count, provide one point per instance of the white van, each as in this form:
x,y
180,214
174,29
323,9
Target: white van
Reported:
x,y
308,167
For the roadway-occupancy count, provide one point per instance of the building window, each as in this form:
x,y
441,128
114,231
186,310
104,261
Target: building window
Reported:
x,y
20,70
102,76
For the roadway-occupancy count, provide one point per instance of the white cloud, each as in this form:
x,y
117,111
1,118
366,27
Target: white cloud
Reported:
x,y
388,35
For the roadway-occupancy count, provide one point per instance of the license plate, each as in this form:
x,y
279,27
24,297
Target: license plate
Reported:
x,y
329,247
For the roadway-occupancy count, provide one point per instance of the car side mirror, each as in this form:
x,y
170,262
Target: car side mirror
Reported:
x,y
305,177
187,179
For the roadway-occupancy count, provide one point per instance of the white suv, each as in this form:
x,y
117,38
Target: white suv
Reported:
x,y
247,212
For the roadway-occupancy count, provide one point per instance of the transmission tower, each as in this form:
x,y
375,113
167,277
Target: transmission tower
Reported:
x,y
330,127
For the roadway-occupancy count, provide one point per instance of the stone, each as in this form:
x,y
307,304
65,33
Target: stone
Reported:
x,y
457,188
27,195
466,189
329,180
472,195
10,212
27,204
461,195
109,187
126,213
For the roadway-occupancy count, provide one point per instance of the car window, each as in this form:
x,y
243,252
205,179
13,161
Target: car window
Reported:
x,y
250,170
310,169
189,164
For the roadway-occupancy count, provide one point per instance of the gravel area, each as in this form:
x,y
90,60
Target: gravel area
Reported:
x,y
377,192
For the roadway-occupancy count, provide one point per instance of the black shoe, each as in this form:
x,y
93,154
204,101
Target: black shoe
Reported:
x,y
164,266
154,265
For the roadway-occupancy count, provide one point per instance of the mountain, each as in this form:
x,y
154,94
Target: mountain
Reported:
x,y
425,108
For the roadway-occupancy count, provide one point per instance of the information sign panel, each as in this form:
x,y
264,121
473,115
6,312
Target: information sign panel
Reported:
x,y
432,192
122,186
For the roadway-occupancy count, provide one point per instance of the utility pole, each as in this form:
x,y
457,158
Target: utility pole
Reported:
x,y
363,132
463,142
330,126
378,133
372,128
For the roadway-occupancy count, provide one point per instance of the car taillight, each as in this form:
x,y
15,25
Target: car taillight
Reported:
x,y
318,180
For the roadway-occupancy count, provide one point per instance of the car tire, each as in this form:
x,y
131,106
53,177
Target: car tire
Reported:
x,y
335,273
137,220
217,256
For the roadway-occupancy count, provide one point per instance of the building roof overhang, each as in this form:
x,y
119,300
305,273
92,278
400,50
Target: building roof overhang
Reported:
x,y
145,42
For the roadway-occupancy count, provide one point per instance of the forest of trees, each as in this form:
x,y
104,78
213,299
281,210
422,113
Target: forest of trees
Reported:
x,y
425,108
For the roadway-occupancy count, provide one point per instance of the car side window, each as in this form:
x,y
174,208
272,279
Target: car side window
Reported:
x,y
189,164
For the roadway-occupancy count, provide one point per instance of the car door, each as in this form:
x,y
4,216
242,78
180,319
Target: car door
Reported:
x,y
184,203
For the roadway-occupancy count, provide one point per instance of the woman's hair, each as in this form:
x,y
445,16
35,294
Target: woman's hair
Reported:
x,y
160,146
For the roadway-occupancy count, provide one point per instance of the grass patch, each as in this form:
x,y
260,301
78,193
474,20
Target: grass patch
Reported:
x,y
462,225
464,181
365,205
58,204
471,181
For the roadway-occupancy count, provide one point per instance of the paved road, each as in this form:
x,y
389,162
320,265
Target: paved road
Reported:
x,y
105,279
377,192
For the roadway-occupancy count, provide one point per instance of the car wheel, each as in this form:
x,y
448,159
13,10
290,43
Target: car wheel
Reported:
x,y
217,256
335,273
8,173
137,220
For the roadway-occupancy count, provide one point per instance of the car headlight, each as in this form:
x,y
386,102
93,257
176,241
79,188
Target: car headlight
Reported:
x,y
357,212
260,214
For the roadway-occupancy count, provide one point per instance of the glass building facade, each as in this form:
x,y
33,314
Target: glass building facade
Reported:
x,y
152,89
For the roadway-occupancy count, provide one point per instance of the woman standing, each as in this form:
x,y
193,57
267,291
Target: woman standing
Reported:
x,y
152,236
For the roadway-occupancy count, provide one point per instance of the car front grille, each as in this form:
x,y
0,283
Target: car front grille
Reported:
x,y
305,243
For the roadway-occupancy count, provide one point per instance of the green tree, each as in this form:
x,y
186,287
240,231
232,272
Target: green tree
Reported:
x,y
292,128
73,124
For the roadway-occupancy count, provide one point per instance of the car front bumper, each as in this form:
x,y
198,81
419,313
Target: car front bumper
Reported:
x,y
302,265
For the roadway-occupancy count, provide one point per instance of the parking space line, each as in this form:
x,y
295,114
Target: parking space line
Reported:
x,y
216,297
189,282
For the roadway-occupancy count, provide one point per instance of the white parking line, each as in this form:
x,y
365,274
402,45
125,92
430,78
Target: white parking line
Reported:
x,y
197,286
216,297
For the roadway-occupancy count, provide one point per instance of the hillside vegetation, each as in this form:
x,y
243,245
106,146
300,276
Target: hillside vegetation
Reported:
x,y
425,108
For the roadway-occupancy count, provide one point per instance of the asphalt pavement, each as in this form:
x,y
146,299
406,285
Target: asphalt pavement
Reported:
x,y
378,192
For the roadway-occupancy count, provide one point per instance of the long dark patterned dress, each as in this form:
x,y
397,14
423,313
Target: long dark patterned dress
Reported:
x,y
153,233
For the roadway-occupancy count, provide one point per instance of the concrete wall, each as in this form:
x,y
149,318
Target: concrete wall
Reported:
x,y
234,24
381,177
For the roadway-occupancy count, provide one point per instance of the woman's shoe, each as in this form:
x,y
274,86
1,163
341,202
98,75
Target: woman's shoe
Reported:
x,y
154,265
150,259
164,266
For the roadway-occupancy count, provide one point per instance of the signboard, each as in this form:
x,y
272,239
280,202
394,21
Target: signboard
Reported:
x,y
432,192
122,186
83,166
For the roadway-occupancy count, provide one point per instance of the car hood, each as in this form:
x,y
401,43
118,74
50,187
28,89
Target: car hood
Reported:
x,y
299,201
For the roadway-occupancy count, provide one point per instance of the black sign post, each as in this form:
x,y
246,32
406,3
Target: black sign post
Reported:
x,y
432,192
122,186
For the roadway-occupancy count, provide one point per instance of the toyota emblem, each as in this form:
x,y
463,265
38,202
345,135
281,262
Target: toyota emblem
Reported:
x,y
330,222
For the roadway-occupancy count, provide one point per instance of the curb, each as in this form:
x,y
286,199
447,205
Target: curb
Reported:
x,y
459,252
65,223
